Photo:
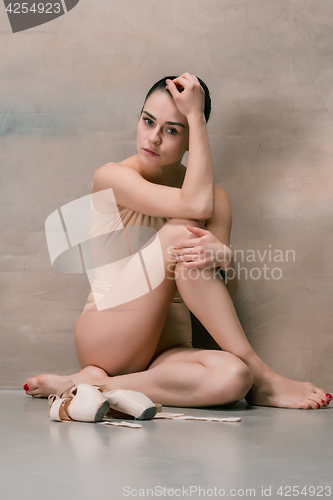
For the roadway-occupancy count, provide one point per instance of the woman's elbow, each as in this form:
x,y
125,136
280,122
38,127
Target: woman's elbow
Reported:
x,y
199,211
207,212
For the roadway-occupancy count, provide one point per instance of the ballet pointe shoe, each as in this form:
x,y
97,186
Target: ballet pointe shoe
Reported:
x,y
81,402
125,402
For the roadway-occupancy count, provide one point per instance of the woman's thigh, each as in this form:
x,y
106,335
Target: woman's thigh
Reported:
x,y
123,339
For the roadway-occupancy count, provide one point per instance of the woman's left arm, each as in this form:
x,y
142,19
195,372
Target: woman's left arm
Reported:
x,y
211,247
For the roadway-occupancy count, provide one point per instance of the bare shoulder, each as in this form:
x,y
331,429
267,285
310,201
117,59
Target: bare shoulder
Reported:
x,y
114,167
104,175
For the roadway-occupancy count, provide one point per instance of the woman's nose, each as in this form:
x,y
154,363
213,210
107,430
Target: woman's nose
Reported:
x,y
155,136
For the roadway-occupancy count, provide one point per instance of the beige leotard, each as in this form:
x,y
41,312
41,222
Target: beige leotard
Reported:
x,y
177,329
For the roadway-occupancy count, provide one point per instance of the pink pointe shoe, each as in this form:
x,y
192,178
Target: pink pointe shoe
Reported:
x,y
81,402
125,402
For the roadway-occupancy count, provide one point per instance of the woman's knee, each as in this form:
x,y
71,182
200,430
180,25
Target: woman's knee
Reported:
x,y
228,380
240,380
175,230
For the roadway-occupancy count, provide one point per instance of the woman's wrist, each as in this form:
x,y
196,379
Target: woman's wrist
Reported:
x,y
196,117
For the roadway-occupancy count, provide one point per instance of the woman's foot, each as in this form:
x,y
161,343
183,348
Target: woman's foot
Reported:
x,y
270,389
46,384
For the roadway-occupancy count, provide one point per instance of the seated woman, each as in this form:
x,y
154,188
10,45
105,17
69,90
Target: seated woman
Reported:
x,y
145,344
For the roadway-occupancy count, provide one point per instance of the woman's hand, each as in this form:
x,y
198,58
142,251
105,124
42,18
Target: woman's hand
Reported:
x,y
205,251
187,93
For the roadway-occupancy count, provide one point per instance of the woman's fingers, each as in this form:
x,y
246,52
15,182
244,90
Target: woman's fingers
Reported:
x,y
187,243
175,88
191,98
185,82
172,88
190,77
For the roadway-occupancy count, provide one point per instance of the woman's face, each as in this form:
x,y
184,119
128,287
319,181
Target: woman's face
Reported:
x,y
163,129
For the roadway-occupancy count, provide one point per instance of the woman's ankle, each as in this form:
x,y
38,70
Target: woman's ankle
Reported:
x,y
257,367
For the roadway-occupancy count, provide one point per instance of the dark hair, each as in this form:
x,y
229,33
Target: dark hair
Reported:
x,y
161,85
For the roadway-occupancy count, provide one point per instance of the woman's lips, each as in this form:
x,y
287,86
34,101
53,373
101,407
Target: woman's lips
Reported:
x,y
150,153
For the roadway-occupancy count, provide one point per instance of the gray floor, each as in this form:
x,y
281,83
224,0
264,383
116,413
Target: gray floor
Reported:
x,y
269,449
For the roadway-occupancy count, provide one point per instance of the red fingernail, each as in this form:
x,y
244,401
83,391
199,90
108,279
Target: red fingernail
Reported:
x,y
26,387
328,395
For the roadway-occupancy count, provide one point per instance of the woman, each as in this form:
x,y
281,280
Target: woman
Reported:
x,y
145,343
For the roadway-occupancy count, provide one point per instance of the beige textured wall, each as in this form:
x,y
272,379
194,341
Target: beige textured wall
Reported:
x,y
71,91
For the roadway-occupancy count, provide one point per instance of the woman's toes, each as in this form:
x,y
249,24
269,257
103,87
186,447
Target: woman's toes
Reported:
x,y
315,404
30,385
320,396
35,385
32,392
35,394
305,405
320,392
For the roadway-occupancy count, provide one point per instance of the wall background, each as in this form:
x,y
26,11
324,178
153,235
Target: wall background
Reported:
x,y
71,91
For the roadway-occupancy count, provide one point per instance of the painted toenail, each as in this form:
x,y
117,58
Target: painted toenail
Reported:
x,y
322,401
26,387
328,395
318,405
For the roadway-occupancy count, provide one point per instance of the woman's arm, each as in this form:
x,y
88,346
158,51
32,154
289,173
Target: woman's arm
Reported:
x,y
132,191
199,182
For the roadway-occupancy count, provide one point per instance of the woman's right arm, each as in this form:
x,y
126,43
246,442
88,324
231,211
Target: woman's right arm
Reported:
x,y
132,191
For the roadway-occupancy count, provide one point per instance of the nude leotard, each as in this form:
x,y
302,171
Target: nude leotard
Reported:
x,y
177,329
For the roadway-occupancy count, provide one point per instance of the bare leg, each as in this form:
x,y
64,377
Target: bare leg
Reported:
x,y
184,376
209,300
180,376
206,298
123,339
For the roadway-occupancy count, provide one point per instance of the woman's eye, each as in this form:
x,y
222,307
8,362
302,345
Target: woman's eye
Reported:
x,y
149,122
